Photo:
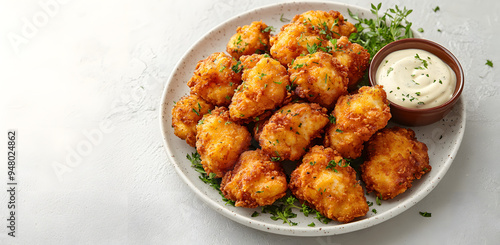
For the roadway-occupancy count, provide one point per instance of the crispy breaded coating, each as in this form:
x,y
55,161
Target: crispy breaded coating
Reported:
x,y
294,40
291,129
254,181
215,78
326,183
394,159
319,78
264,87
357,118
249,39
185,115
220,141
331,24
353,56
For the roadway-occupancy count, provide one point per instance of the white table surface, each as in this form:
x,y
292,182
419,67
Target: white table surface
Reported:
x,y
89,75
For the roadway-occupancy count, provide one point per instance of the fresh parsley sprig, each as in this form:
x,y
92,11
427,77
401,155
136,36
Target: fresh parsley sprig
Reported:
x,y
209,179
282,209
373,34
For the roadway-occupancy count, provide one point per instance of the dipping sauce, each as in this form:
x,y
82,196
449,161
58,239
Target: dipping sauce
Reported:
x,y
415,78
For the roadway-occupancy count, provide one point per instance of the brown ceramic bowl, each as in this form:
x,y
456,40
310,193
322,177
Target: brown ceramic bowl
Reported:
x,y
419,117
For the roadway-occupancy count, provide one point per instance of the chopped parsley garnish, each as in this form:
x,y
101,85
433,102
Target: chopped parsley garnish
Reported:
x,y
275,159
421,30
425,214
283,19
237,68
389,70
297,66
436,9
424,62
255,214
269,29
332,119
195,111
489,63
312,49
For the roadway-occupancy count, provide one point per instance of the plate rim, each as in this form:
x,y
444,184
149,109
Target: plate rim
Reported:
x,y
295,230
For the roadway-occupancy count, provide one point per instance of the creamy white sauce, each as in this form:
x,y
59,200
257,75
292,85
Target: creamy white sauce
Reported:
x,y
415,78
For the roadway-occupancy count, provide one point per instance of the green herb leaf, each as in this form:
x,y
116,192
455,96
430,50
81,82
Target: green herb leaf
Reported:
x,y
269,29
209,179
283,19
425,214
489,63
373,34
332,119
237,68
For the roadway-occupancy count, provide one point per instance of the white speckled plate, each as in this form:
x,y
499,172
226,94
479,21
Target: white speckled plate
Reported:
x,y
442,138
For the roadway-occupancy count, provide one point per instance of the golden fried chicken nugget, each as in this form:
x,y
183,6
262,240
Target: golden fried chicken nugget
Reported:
x,y
216,78
291,129
357,118
394,159
294,40
353,56
185,115
330,24
264,87
319,78
328,184
220,141
249,39
254,181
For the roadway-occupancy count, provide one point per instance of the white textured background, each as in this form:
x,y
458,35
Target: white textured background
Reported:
x,y
88,75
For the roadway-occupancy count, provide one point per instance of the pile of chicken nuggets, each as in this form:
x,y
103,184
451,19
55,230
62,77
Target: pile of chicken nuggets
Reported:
x,y
295,94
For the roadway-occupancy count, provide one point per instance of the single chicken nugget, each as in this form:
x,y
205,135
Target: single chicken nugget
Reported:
x,y
394,159
328,184
220,141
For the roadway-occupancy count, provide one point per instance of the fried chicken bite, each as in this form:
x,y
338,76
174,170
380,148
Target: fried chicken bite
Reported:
x,y
357,118
328,184
249,39
264,87
394,159
291,129
293,40
215,78
319,78
220,141
353,56
331,24
185,115
254,181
